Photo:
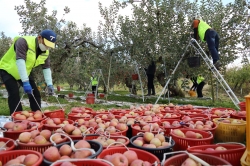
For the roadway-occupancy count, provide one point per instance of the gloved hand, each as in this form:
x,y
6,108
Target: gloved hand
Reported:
x,y
27,87
50,90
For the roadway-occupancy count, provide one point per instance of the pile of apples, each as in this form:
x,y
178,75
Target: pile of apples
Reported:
x,y
170,115
80,110
149,140
131,114
53,154
81,115
190,162
240,113
55,122
221,113
128,158
167,124
37,137
21,125
31,116
188,134
199,125
27,160
153,127
218,148
109,141
72,130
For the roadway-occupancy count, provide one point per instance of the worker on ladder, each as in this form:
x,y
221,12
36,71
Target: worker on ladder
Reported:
x,y
209,35
94,83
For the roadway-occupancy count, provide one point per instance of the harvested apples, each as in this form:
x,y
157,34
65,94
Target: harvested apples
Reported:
x,y
27,160
53,154
31,116
188,134
128,158
149,140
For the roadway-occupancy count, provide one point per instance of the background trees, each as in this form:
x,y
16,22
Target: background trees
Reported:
x,y
156,30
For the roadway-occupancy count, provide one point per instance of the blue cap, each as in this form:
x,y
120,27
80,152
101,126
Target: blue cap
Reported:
x,y
49,37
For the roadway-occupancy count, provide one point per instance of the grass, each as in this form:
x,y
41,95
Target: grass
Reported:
x,y
122,95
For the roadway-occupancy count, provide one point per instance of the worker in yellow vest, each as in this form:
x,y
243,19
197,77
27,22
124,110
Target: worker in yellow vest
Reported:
x,y
94,83
200,85
26,53
203,31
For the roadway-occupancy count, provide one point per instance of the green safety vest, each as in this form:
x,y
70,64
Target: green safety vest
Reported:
x,y
199,79
94,81
8,61
202,28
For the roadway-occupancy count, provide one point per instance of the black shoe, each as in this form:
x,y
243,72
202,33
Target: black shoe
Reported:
x,y
217,65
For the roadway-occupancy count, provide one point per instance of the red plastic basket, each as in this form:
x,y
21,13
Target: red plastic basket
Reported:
x,y
233,153
135,77
19,112
143,155
95,136
10,144
180,158
9,155
15,134
118,111
242,106
38,148
84,162
183,143
55,114
167,130
53,128
236,116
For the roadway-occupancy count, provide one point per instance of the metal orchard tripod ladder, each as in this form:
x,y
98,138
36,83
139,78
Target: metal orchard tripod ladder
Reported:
x,y
137,71
98,73
193,43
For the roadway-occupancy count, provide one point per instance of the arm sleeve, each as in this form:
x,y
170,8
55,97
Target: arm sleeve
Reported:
x,y
22,70
195,26
46,64
47,76
21,48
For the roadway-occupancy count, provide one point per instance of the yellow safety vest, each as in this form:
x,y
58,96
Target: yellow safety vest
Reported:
x,y
8,61
94,81
202,28
199,79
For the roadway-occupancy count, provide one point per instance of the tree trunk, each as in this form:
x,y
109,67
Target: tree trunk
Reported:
x,y
129,84
174,90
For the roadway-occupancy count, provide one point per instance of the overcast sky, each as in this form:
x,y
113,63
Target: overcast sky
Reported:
x,y
82,11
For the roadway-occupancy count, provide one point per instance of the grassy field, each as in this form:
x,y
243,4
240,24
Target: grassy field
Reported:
x,y
122,94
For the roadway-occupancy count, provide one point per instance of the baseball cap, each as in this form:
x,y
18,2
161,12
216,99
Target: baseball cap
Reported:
x,y
49,37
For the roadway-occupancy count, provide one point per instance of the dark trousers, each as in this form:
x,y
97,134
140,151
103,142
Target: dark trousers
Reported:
x,y
94,89
212,39
199,89
12,87
151,84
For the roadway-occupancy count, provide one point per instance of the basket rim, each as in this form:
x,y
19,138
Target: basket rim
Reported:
x,y
40,145
18,132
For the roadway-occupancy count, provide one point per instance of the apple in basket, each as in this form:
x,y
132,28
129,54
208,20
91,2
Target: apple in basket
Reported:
x,y
21,125
29,115
64,152
27,160
190,162
3,145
